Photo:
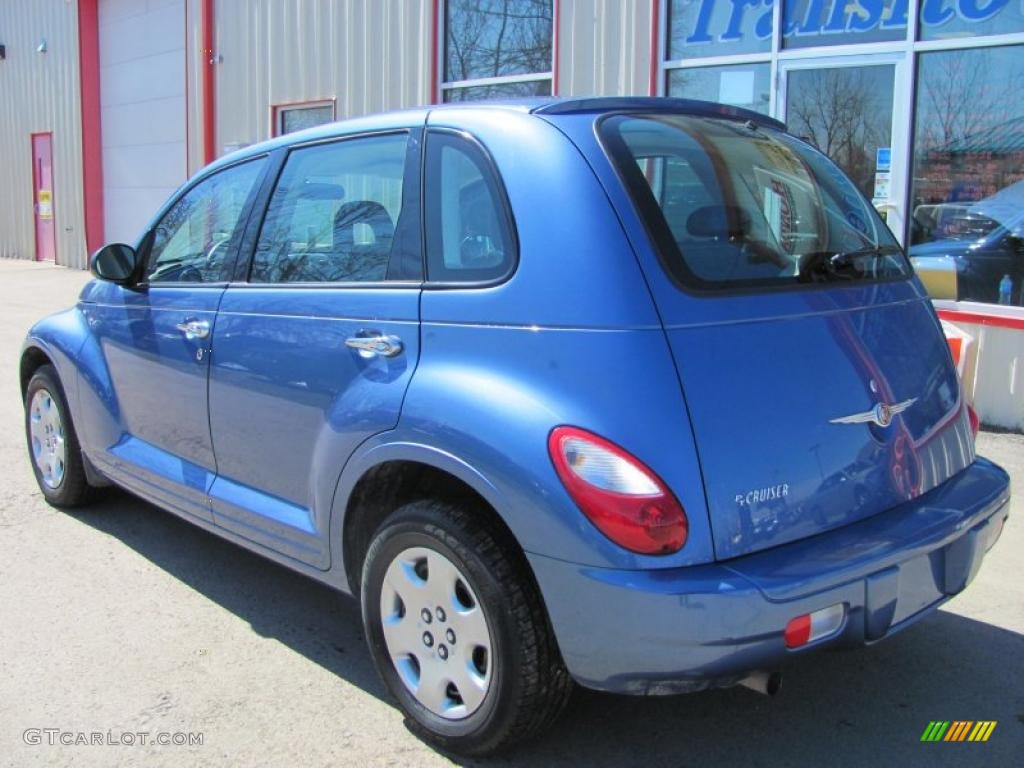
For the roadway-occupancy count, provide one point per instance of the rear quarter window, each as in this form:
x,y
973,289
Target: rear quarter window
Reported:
x,y
732,204
470,235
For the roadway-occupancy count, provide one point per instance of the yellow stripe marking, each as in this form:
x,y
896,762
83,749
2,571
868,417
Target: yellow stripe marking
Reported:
x,y
988,731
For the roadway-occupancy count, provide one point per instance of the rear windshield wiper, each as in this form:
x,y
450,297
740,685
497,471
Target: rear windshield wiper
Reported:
x,y
845,258
819,265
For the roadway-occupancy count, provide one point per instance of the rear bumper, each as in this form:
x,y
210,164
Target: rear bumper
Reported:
x,y
684,629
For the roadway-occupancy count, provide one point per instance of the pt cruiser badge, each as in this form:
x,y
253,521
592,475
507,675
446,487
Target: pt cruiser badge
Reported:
x,y
881,414
762,494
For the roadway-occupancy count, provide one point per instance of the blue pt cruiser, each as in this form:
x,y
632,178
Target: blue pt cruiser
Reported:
x,y
636,393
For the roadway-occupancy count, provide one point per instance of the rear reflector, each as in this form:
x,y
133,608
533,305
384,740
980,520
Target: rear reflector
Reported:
x,y
814,626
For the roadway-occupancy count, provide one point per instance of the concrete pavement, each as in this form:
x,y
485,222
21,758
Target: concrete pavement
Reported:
x,y
121,618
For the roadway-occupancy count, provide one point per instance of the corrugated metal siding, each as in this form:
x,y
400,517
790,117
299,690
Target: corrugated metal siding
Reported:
x,y
40,92
605,47
369,55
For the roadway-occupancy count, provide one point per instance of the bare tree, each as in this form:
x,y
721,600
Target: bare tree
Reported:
x,y
491,38
846,113
963,93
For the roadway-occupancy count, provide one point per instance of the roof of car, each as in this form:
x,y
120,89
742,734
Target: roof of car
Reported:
x,y
538,105
554,105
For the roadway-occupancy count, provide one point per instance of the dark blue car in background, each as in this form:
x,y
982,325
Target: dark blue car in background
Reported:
x,y
982,243
636,393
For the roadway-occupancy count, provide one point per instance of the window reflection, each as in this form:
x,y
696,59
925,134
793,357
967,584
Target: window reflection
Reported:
x,y
844,112
495,38
967,196
499,91
299,118
741,85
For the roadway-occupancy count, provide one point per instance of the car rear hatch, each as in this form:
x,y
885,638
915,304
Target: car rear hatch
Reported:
x,y
817,378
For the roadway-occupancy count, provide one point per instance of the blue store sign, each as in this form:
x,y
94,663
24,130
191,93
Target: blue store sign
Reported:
x,y
727,21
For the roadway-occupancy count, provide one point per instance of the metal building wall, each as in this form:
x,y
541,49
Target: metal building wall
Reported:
x,y
142,97
368,55
605,47
40,92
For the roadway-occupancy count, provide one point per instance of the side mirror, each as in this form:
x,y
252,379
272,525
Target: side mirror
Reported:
x,y
115,263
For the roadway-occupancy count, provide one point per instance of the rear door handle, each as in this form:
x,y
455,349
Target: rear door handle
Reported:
x,y
194,329
375,344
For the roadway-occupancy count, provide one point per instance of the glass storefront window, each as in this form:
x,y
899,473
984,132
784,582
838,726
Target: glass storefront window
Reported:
x,y
719,27
943,19
499,91
496,38
809,23
741,85
967,193
846,112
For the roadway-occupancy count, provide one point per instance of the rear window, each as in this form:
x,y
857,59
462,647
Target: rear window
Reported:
x,y
732,204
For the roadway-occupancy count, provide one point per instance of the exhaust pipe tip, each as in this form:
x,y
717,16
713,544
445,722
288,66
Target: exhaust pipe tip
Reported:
x,y
767,683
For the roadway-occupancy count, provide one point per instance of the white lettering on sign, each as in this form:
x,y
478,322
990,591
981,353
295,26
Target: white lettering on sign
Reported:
x,y
840,16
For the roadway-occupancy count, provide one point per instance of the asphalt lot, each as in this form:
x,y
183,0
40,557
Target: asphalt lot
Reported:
x,y
122,618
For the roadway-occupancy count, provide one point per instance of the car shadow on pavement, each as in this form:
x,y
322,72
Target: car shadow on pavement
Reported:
x,y
835,708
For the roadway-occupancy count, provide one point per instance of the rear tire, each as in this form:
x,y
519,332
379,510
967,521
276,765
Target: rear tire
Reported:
x,y
53,448
437,572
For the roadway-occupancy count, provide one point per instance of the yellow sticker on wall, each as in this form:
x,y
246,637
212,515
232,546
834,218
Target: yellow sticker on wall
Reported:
x,y
45,204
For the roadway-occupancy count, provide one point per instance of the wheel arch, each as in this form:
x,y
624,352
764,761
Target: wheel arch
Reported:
x,y
56,340
389,475
33,357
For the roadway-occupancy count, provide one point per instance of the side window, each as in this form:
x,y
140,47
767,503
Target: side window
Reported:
x,y
196,238
469,234
333,214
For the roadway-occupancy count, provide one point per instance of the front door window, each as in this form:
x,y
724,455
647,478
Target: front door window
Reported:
x,y
195,240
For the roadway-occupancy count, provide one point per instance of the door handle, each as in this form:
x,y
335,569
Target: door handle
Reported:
x,y
194,329
375,344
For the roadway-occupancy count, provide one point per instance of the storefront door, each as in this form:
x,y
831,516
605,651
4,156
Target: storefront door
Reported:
x,y
42,194
846,108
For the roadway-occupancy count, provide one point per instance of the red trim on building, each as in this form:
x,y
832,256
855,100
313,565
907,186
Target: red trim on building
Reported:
x,y
435,26
92,135
996,321
655,46
556,35
206,49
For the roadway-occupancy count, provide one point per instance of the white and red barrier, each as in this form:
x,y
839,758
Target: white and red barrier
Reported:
x,y
987,342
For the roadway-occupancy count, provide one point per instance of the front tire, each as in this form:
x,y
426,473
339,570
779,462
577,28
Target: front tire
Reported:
x,y
457,630
53,448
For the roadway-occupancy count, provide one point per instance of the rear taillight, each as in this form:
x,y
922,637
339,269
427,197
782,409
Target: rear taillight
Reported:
x,y
972,415
624,499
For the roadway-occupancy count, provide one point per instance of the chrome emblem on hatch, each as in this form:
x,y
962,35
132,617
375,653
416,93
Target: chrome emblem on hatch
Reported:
x,y
881,414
